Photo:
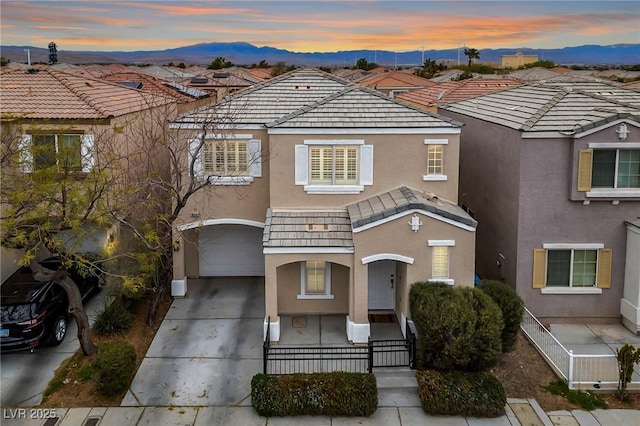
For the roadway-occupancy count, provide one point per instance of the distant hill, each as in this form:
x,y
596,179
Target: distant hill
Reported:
x,y
242,53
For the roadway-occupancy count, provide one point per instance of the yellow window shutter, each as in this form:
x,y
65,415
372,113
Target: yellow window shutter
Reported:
x,y
539,268
604,268
585,160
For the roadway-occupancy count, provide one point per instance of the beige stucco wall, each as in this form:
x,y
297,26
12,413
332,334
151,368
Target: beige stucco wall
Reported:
x,y
289,288
234,202
286,266
396,237
398,160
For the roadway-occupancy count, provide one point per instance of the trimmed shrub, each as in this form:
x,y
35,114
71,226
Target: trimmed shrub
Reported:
x,y
460,393
115,364
326,394
486,347
113,318
458,327
512,308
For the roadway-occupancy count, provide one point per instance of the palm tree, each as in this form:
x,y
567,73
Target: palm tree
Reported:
x,y
472,54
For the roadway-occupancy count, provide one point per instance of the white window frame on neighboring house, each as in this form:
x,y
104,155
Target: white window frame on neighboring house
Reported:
x,y
334,166
599,268
435,160
305,269
230,160
29,155
587,170
441,260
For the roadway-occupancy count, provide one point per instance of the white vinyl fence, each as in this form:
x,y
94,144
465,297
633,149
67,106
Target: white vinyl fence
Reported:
x,y
580,371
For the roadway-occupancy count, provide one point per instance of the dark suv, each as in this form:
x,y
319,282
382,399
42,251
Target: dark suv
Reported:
x,y
34,313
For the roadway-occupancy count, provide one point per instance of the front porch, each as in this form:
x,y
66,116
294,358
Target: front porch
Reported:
x,y
329,330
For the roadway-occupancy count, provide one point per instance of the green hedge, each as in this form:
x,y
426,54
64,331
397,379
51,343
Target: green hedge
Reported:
x,y
512,308
459,328
325,394
461,394
115,364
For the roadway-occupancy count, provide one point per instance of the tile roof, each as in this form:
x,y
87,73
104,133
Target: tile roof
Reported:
x,y
452,91
51,94
153,85
359,107
401,200
271,99
394,79
551,107
307,229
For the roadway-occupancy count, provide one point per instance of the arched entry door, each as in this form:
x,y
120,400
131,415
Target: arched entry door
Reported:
x,y
382,285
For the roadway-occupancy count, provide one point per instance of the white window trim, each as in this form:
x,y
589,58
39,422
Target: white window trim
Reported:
x,y
434,178
614,145
448,281
440,243
575,246
329,142
303,172
570,289
333,189
303,283
436,141
231,180
614,192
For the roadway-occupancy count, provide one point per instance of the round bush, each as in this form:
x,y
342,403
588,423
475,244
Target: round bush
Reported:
x,y
115,364
458,327
512,308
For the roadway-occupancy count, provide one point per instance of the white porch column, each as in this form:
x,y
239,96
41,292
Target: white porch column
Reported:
x,y
630,302
179,281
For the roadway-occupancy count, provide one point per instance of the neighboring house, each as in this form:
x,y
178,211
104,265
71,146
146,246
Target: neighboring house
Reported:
x,y
338,196
431,97
218,83
517,60
552,173
58,111
393,83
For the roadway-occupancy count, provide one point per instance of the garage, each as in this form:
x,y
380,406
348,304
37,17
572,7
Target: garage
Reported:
x,y
230,251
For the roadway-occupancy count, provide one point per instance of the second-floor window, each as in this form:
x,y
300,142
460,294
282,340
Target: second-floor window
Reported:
x,y
616,168
333,165
226,158
434,160
66,152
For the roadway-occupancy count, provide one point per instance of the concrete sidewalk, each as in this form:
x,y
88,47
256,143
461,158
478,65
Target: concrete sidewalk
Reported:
x,y
519,412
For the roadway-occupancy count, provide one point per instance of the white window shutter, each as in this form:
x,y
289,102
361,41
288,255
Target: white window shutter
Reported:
x,y
366,165
25,153
87,153
302,165
195,153
255,158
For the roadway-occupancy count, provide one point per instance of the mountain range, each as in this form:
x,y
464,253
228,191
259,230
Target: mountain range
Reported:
x,y
242,53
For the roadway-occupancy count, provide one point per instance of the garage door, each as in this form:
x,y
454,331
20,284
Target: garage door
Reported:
x,y
231,250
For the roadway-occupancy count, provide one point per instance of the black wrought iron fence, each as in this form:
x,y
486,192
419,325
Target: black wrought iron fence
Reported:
x,y
307,359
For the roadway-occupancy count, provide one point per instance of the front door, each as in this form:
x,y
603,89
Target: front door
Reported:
x,y
382,284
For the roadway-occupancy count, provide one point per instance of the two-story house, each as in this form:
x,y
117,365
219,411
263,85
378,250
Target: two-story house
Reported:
x,y
337,195
55,118
552,173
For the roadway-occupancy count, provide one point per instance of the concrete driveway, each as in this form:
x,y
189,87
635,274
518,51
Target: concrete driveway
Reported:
x,y
25,375
207,349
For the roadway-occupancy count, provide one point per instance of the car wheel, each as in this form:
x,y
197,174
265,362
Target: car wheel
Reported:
x,y
59,330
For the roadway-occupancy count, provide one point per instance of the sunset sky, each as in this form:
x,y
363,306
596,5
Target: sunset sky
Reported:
x,y
318,26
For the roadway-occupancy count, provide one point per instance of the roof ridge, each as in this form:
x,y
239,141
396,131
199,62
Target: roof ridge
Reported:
x,y
531,121
65,80
604,98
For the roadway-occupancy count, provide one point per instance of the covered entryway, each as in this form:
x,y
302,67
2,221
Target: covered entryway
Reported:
x,y
229,250
382,285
